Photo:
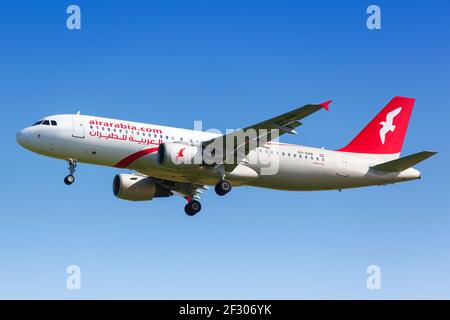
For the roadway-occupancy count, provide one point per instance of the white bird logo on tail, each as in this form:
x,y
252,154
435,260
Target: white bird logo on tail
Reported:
x,y
388,125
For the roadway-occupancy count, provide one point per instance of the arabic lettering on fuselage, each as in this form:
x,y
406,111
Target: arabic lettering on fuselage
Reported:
x,y
124,137
122,130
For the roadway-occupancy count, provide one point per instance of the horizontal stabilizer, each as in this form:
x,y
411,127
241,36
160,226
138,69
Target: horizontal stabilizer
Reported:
x,y
404,162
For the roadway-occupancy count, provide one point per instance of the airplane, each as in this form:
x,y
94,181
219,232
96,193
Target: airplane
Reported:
x,y
167,161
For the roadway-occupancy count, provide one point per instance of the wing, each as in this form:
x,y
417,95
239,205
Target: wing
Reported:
x,y
183,189
233,147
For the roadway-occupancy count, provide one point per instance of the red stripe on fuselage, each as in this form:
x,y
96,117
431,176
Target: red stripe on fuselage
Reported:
x,y
125,162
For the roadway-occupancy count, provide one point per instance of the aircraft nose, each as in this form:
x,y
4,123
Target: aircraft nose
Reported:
x,y
22,137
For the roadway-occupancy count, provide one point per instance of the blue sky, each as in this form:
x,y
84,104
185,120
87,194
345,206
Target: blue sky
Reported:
x,y
230,64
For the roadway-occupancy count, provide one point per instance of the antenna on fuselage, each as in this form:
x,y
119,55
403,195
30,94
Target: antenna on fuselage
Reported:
x,y
78,113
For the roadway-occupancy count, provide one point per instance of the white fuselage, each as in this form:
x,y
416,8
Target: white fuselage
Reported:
x,y
132,145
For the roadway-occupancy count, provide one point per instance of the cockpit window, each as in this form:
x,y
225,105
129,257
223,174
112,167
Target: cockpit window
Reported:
x,y
45,123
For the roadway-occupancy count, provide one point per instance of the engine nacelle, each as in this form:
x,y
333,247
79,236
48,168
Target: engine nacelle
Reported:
x,y
179,156
134,187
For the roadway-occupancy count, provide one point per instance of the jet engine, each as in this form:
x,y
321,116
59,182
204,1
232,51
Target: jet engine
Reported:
x,y
179,156
135,187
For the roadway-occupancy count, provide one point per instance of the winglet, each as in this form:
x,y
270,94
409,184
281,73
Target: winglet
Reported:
x,y
326,105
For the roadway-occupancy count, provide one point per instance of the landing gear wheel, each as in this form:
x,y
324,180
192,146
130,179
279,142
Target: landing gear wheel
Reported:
x,y
223,187
69,179
192,207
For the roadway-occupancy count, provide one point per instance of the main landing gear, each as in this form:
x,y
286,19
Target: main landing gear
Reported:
x,y
69,179
192,207
223,187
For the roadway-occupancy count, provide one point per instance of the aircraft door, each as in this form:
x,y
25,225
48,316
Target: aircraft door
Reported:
x,y
78,126
343,166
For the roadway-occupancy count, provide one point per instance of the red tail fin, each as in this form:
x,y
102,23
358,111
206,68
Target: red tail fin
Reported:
x,y
386,132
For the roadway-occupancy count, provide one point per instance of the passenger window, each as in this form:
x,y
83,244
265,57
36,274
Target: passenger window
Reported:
x,y
46,123
54,123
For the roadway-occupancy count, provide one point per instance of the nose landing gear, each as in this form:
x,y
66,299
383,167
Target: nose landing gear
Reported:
x,y
69,179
